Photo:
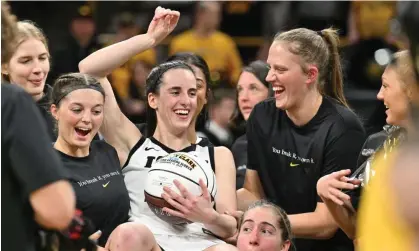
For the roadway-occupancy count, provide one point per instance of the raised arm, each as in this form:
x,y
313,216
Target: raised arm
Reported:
x,y
117,129
102,62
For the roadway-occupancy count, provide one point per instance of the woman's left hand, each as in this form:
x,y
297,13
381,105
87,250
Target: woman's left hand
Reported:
x,y
163,23
190,207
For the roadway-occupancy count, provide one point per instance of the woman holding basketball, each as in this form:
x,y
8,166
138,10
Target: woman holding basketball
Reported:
x,y
305,132
202,74
172,103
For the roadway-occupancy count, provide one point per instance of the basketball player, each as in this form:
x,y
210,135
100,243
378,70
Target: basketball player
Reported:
x,y
28,65
388,229
264,226
397,91
33,186
305,132
203,79
172,103
77,102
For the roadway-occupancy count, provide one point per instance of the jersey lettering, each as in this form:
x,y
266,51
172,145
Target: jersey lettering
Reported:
x,y
150,160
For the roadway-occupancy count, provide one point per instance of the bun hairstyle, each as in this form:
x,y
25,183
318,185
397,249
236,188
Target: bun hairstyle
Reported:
x,y
153,83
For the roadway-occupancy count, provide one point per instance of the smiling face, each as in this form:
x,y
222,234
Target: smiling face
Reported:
x,y
289,83
395,98
260,231
176,101
79,116
250,92
29,67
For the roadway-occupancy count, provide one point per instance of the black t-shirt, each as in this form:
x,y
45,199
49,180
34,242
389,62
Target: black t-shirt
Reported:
x,y
291,159
99,186
28,163
239,151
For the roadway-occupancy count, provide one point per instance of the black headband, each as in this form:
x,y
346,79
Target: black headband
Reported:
x,y
165,67
67,90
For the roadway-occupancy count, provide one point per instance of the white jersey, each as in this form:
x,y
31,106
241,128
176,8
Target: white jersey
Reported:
x,y
135,171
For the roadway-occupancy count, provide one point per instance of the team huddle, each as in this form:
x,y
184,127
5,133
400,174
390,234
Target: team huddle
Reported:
x,y
163,187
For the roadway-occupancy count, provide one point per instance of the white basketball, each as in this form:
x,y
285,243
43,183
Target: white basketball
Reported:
x,y
187,168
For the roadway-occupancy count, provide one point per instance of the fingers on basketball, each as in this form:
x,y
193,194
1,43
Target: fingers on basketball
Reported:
x,y
170,194
173,203
182,189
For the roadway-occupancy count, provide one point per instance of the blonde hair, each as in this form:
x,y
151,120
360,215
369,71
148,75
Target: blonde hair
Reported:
x,y
319,48
406,74
8,31
25,30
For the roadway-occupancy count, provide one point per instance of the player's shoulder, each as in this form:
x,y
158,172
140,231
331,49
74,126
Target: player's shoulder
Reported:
x,y
101,146
264,110
343,116
222,152
13,95
204,142
376,139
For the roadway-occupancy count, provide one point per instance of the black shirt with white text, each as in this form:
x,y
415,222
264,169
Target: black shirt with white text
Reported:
x,y
290,159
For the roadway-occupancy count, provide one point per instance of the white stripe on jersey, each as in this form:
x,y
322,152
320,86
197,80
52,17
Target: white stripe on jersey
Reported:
x,y
135,175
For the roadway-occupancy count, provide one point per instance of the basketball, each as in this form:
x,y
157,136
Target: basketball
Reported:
x,y
187,168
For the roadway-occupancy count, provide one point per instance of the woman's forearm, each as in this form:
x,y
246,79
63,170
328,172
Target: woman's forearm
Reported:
x,y
102,62
343,217
223,225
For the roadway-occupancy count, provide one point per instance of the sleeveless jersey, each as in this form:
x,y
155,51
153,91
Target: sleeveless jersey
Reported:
x,y
140,160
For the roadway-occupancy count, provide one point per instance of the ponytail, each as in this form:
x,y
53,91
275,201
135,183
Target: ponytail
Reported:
x,y
333,86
